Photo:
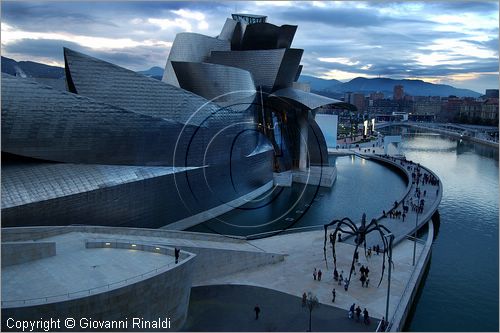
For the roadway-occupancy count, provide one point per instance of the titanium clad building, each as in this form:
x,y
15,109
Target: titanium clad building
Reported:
x,y
121,149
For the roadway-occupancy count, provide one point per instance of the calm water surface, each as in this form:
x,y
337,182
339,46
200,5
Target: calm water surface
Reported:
x,y
461,289
361,186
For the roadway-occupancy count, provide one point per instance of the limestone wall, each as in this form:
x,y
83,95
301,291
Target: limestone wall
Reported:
x,y
165,295
18,253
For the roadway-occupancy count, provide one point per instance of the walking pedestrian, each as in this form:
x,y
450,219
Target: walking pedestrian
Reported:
x,y
176,253
346,284
351,311
362,279
257,311
319,275
333,295
358,313
366,318
335,274
367,271
304,299
362,270
314,274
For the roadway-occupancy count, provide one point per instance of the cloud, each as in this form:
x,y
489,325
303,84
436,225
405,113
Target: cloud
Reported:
x,y
397,39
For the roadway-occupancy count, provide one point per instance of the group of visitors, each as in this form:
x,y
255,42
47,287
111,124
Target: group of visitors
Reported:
x,y
364,276
356,311
395,214
317,274
340,279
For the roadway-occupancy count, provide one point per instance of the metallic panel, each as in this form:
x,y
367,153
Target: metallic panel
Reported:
x,y
108,83
48,124
191,47
32,182
262,64
288,69
156,198
227,31
224,85
297,76
308,100
265,36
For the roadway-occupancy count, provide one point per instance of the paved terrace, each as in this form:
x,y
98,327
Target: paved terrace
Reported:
x,y
77,271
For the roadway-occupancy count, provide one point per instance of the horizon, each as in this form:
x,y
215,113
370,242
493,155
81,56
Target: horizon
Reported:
x,y
434,42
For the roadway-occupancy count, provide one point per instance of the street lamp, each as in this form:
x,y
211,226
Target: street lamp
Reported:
x,y
415,237
389,258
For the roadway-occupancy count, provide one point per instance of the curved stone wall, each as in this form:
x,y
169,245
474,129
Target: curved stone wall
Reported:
x,y
164,294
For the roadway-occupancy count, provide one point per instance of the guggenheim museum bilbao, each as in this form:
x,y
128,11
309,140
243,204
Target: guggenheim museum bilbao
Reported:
x,y
117,148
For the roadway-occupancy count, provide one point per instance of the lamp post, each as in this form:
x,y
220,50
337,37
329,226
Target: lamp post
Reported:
x,y
389,256
415,235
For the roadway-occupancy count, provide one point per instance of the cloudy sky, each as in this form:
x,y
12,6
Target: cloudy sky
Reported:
x,y
448,42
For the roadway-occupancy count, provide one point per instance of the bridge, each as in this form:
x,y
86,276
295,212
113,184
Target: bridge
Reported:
x,y
477,133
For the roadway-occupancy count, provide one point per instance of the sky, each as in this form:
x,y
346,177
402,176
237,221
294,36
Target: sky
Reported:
x,y
448,42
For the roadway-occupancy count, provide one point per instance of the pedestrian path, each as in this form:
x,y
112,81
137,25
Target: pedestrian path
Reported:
x,y
431,194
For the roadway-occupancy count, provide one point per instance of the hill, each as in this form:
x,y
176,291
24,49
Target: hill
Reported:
x,y
331,88
385,85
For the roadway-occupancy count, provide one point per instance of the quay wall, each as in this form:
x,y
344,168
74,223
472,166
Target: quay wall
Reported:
x,y
402,311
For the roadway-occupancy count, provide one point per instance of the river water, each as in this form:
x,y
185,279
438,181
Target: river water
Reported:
x,y
460,292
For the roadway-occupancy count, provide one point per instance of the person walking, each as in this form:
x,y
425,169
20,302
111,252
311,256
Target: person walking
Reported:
x,y
257,311
367,271
333,295
366,318
320,273
358,313
314,274
335,274
362,279
351,311
304,299
176,253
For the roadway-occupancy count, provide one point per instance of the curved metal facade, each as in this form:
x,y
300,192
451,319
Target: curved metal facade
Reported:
x,y
191,47
263,64
108,83
262,36
308,100
234,87
49,124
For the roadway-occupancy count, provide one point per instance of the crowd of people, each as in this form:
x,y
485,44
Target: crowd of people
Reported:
x,y
355,312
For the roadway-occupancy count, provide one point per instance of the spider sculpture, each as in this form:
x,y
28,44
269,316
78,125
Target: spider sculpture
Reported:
x,y
346,226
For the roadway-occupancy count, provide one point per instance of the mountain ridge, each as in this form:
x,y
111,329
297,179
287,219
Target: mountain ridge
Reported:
x,y
331,88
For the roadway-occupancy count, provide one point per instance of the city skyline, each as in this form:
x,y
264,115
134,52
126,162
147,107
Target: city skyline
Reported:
x,y
438,42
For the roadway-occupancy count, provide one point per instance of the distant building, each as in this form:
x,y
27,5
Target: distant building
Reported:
x,y
491,93
489,110
359,101
426,105
398,93
376,96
